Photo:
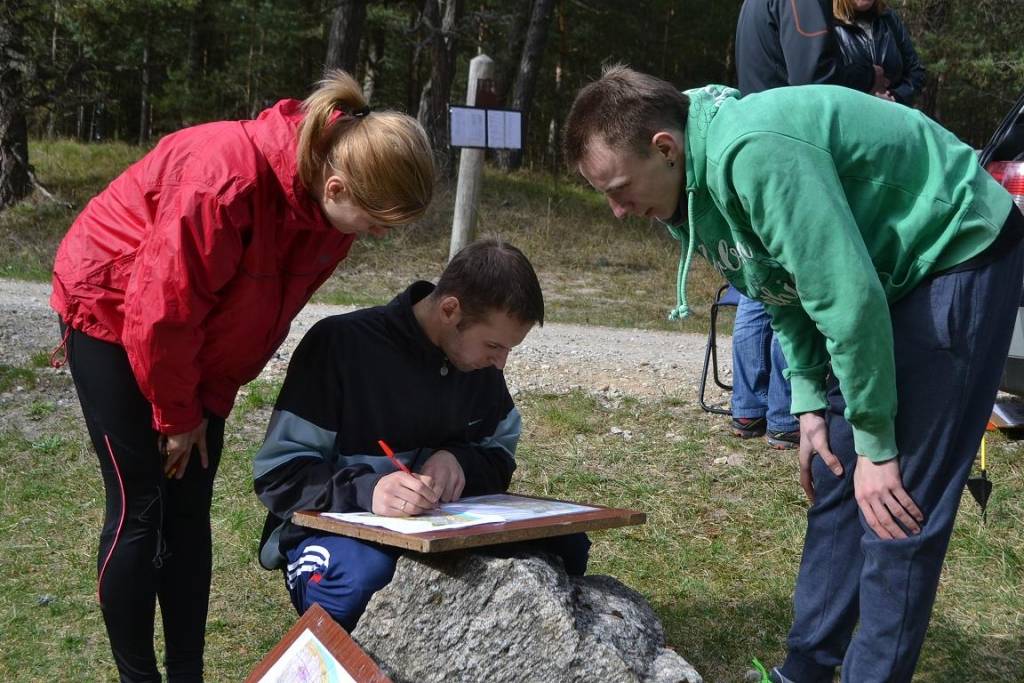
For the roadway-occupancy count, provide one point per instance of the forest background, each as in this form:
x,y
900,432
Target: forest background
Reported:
x,y
132,70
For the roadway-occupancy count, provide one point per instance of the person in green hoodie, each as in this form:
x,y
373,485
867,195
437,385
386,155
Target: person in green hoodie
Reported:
x,y
891,264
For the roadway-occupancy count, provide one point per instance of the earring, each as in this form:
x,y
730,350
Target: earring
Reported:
x,y
671,164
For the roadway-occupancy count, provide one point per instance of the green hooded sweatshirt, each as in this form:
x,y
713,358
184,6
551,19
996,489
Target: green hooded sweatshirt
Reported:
x,y
829,205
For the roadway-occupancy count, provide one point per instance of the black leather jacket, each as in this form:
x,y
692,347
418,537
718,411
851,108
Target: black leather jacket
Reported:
x,y
889,46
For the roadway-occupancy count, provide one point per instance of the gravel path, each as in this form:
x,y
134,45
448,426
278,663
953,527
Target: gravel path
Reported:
x,y
553,358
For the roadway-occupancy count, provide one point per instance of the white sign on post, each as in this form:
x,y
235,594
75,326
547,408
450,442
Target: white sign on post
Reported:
x,y
468,126
486,128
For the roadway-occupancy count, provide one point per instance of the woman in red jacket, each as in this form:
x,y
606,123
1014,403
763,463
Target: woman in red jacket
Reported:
x,y
174,287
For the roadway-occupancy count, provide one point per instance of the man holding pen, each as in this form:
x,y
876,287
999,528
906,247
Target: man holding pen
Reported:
x,y
423,374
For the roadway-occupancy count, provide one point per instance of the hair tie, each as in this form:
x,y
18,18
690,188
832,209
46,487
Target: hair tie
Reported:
x,y
361,112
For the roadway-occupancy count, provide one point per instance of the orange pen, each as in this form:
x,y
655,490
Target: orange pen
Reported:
x,y
391,454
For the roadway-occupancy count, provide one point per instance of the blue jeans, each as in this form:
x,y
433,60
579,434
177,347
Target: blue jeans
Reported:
x,y
951,337
342,573
758,387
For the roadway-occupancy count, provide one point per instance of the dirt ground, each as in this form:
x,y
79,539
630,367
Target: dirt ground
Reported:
x,y
555,358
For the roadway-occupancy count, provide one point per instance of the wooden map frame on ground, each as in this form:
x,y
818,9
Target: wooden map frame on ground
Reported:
x,y
356,663
484,534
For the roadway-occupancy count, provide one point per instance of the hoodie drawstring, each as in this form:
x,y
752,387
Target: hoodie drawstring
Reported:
x,y
682,309
59,355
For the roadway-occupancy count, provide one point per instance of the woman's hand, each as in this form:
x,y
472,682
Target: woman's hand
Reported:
x,y
814,441
881,83
400,494
177,450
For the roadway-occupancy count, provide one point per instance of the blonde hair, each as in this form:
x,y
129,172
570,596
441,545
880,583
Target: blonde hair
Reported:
x,y
384,157
844,12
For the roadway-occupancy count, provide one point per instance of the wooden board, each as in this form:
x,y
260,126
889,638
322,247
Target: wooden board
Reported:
x,y
356,663
482,534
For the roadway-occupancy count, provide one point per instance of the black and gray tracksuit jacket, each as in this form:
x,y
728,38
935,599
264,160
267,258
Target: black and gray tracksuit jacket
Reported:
x,y
368,375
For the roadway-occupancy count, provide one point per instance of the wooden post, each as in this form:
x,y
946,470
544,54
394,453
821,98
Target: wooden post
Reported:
x,y
471,168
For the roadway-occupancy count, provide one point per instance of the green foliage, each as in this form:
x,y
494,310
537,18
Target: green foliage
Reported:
x,y
975,60
91,63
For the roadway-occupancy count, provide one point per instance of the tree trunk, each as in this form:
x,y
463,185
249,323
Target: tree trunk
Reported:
x,y
51,110
555,126
374,64
412,83
507,61
526,77
144,99
433,109
15,182
346,32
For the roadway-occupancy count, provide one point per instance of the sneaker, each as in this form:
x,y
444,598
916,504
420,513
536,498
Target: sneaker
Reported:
x,y
748,427
762,675
783,440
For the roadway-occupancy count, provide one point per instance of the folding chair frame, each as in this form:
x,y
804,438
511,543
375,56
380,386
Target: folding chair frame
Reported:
x,y
711,354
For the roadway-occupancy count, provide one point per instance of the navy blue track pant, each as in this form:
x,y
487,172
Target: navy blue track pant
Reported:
x,y
155,543
952,334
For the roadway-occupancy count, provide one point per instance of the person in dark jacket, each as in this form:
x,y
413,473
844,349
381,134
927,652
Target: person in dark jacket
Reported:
x,y
869,33
423,374
174,287
779,43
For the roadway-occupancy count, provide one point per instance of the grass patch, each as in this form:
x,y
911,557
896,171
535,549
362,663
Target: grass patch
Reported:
x,y
717,558
617,273
40,409
75,172
40,359
256,395
12,376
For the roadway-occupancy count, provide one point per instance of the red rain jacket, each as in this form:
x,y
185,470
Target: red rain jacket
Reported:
x,y
196,259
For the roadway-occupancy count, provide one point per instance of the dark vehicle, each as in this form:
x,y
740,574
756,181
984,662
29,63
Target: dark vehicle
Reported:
x,y
1003,157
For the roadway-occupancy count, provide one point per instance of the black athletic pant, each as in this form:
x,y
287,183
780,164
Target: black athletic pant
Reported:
x,y
155,542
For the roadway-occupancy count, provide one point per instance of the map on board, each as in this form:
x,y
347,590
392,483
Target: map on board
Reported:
x,y
490,509
307,661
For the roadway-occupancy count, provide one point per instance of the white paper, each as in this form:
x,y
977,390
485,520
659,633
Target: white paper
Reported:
x,y
468,127
437,521
504,129
495,129
513,130
467,512
307,660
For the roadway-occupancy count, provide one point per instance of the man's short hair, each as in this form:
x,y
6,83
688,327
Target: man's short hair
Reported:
x,y
491,275
624,109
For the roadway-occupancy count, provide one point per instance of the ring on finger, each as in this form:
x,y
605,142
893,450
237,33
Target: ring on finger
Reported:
x,y
404,503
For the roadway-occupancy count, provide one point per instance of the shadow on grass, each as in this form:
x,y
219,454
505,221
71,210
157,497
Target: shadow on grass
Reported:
x,y
720,637
953,654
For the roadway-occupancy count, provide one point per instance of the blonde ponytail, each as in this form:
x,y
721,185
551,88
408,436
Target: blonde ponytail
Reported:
x,y
384,157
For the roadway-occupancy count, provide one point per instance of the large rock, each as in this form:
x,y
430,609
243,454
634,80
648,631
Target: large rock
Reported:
x,y
470,617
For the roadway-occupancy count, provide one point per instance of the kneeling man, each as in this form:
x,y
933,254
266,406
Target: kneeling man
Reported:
x,y
423,373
